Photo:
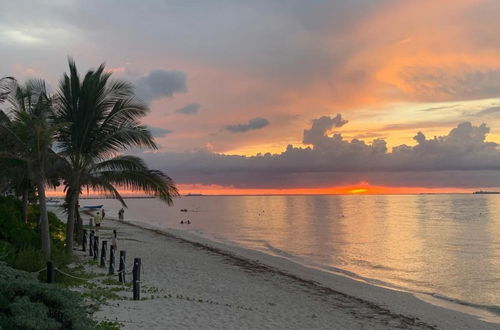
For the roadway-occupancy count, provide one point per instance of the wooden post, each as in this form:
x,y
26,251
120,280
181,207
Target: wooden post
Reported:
x,y
136,273
91,243
50,272
111,260
96,247
84,240
121,268
103,253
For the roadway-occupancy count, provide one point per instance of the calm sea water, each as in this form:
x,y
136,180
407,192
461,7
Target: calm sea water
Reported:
x,y
445,245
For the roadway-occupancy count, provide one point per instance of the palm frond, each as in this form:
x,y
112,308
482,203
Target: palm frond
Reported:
x,y
6,87
151,182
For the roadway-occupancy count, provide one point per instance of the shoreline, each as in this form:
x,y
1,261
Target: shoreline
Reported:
x,y
407,307
216,275
226,246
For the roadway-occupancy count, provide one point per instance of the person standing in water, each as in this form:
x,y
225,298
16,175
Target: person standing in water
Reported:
x,y
120,214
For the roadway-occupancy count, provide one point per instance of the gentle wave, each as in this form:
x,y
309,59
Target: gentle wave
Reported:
x,y
490,308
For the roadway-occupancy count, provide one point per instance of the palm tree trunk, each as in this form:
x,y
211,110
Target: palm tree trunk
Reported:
x,y
78,223
44,218
70,225
25,205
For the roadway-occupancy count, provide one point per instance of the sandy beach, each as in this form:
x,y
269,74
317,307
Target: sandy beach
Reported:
x,y
192,283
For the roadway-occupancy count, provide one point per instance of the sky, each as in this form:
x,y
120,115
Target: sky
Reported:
x,y
272,96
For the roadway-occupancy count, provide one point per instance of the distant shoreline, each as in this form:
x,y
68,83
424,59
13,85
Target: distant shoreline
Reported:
x,y
263,195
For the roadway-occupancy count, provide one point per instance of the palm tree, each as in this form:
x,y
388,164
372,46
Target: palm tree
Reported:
x,y
14,174
27,140
103,121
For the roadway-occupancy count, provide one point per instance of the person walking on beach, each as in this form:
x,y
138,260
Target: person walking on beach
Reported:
x,y
97,219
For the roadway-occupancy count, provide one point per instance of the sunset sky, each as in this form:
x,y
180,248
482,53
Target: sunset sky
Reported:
x,y
336,96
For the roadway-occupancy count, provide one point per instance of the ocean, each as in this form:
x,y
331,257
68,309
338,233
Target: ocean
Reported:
x,y
446,246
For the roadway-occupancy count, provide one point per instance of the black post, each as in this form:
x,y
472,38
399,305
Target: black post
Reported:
x,y
111,260
91,243
50,272
103,253
136,273
96,247
121,268
84,241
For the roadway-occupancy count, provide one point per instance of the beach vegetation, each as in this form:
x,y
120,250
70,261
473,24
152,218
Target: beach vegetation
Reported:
x,y
77,137
20,241
26,303
110,325
27,137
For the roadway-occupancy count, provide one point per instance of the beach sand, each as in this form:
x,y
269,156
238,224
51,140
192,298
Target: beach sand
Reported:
x,y
193,283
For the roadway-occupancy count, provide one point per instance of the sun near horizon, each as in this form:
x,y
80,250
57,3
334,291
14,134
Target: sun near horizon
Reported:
x,y
361,189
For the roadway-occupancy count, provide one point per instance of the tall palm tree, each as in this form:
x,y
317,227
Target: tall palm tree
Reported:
x,y
103,121
14,174
27,140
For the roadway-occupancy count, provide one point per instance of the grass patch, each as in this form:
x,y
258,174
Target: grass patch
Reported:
x,y
110,325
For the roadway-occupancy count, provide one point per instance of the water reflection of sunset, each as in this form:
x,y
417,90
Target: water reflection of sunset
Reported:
x,y
362,188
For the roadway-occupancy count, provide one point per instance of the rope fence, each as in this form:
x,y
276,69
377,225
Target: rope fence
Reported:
x,y
41,270
72,276
135,270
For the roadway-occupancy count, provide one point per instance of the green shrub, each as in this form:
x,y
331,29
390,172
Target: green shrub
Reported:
x,y
26,303
57,230
110,325
12,228
29,259
20,242
57,227
7,251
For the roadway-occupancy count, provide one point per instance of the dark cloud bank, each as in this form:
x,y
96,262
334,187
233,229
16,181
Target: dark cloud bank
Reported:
x,y
255,123
460,159
160,83
190,109
158,131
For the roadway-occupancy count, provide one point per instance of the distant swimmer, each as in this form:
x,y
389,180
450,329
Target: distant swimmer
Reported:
x,y
182,222
188,222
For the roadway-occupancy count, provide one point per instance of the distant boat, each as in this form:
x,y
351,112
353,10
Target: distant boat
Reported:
x,y
190,194
92,207
53,202
486,192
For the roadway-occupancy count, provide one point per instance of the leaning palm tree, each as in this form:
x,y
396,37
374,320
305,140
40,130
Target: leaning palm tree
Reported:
x,y
28,136
102,119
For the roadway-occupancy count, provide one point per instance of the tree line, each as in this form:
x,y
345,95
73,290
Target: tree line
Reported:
x,y
76,137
